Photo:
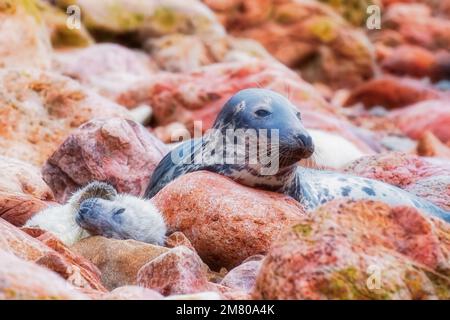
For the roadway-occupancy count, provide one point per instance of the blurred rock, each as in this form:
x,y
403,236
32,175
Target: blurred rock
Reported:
x,y
396,168
32,48
243,277
209,295
20,177
391,93
225,221
178,271
120,152
435,189
118,260
145,19
17,208
132,293
39,109
430,146
305,35
199,95
22,280
433,116
354,11
73,268
108,68
343,251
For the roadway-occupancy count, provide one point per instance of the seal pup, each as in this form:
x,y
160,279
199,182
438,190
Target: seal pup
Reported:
x,y
97,209
261,109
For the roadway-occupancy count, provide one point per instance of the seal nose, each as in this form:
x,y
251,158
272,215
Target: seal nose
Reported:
x,y
306,142
86,208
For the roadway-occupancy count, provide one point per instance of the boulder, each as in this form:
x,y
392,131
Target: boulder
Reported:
x,y
120,152
343,251
17,208
226,222
132,293
243,277
118,260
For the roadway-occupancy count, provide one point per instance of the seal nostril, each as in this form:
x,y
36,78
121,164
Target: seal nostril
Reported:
x,y
83,211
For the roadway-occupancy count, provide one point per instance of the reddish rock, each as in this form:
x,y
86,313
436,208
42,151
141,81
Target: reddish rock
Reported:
x,y
178,239
77,271
199,95
17,208
304,35
46,108
132,293
391,93
178,271
225,221
343,251
433,116
435,189
120,152
20,177
108,68
430,146
118,260
396,168
23,280
243,277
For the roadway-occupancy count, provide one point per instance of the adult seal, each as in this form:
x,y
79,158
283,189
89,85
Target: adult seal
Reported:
x,y
271,117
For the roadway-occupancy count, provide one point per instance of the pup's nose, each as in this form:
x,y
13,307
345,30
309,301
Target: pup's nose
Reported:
x,y
305,141
86,208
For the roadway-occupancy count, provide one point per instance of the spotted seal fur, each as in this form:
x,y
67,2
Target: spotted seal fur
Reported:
x,y
264,109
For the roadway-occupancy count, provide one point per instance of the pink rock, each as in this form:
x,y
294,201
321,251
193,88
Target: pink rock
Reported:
x,y
430,146
76,270
433,116
47,108
132,293
243,277
435,189
343,251
20,279
396,168
179,271
114,150
17,208
225,221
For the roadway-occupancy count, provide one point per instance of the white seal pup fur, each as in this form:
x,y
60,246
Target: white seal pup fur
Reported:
x,y
97,209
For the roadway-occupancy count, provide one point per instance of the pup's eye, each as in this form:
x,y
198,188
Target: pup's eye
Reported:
x,y
117,212
262,112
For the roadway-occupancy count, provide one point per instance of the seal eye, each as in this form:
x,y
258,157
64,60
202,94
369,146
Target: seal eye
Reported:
x,y
262,113
117,212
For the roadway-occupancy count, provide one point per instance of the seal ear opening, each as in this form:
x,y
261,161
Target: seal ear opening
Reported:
x,y
94,189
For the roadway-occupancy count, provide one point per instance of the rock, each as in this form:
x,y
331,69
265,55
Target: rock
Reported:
x,y
118,260
396,168
18,208
76,270
20,177
23,280
200,95
178,271
60,35
178,239
210,295
225,221
430,146
110,69
32,48
120,152
391,93
39,109
145,19
435,189
243,277
132,293
343,251
305,35
433,116
353,11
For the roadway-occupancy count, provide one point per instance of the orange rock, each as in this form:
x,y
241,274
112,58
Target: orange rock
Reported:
x,y
225,221
132,293
75,269
433,116
20,279
17,208
391,93
120,152
430,146
343,251
178,239
118,260
46,108
178,271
